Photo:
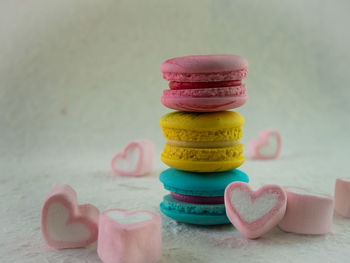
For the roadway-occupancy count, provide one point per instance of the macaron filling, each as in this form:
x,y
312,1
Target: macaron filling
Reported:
x,y
175,85
190,208
210,144
198,199
217,135
206,77
195,154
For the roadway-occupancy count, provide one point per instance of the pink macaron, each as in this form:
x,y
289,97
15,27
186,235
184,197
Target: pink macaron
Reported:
x,y
205,83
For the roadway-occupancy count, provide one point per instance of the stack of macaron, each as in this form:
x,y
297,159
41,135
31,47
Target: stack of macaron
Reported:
x,y
203,147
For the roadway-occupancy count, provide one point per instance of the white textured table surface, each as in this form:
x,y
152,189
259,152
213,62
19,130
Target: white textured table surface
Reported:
x,y
22,197
79,79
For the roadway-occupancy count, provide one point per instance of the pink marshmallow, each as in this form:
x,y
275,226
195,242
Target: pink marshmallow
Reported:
x,y
307,212
266,146
254,213
342,196
64,223
129,236
137,159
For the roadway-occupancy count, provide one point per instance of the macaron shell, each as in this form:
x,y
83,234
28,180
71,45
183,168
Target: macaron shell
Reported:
x,y
197,214
200,184
195,219
203,104
204,64
203,159
205,68
174,85
208,99
202,121
214,135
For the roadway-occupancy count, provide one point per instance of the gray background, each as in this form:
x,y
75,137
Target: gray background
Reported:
x,y
79,79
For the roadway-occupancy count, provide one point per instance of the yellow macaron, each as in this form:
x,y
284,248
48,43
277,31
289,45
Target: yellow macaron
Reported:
x,y
202,142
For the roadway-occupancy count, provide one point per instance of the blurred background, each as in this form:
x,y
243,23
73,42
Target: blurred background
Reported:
x,y
80,77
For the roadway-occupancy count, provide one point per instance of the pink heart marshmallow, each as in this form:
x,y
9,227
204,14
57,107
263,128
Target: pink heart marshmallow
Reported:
x,y
137,159
254,213
267,146
129,236
64,223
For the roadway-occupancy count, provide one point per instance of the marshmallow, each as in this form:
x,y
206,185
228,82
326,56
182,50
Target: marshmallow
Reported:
x,y
266,146
64,223
342,196
129,236
307,212
254,213
137,159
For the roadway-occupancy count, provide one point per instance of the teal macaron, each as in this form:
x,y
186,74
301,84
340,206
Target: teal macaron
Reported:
x,y
197,198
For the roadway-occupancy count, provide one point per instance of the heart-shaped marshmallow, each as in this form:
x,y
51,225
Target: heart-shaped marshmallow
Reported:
x,y
129,236
307,212
254,213
136,159
64,223
342,196
266,146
